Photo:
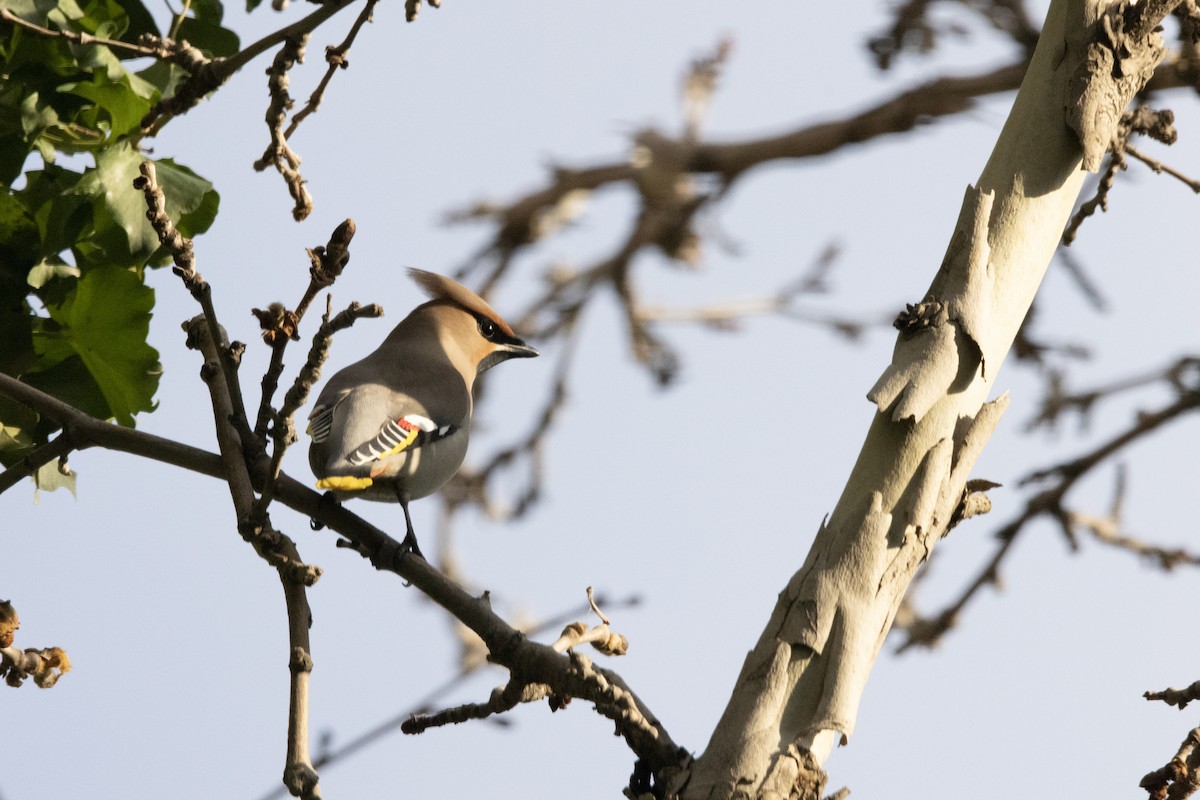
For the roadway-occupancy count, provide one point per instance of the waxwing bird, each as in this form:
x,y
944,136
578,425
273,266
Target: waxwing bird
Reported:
x,y
394,426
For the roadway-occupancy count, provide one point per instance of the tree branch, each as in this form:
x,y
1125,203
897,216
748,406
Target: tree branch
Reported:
x,y
509,647
925,631
800,686
208,76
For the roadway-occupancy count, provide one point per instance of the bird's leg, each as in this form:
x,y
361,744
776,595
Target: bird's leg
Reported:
x,y
409,545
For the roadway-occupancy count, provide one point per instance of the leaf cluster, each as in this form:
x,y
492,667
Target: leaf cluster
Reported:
x,y
74,239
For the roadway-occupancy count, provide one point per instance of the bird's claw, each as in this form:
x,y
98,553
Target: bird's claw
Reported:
x,y
327,499
409,545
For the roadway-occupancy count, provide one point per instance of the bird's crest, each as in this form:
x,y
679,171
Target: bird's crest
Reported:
x,y
439,287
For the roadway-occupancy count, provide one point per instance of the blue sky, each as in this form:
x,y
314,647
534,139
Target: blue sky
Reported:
x,y
701,499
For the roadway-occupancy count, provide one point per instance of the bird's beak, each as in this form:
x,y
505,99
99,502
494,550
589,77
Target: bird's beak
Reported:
x,y
518,349
513,348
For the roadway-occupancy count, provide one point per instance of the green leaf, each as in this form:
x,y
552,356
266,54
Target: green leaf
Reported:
x,y
105,18
140,21
19,245
32,60
19,240
69,381
14,152
35,118
33,10
16,423
204,30
213,39
106,321
208,10
61,214
16,332
48,478
64,11
191,200
120,103
163,77
49,269
121,235
16,431
52,347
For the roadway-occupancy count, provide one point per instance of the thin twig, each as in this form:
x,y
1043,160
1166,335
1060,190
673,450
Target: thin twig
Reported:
x,y
56,448
1176,697
206,77
361,741
283,431
183,255
1162,168
281,326
336,58
927,630
279,153
79,37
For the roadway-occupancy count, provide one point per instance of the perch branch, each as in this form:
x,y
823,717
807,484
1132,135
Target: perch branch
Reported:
x,y
508,646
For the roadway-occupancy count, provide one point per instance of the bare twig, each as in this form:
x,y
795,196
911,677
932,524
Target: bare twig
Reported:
x,y
1180,777
205,77
280,551
1176,697
335,57
1107,530
1058,401
1116,163
279,153
1087,287
913,30
413,7
283,432
183,255
925,631
699,84
355,744
1141,120
45,666
238,447
80,37
599,636
1161,168
503,698
728,315
281,325
516,691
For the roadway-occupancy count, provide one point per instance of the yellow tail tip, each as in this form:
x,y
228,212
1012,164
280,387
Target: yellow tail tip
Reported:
x,y
344,483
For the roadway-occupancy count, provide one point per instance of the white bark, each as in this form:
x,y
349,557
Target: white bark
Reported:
x,y
799,688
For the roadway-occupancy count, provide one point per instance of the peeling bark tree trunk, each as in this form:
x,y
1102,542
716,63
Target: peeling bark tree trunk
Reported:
x,y
799,688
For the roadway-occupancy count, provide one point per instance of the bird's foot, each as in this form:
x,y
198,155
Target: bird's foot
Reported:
x,y
327,500
409,545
